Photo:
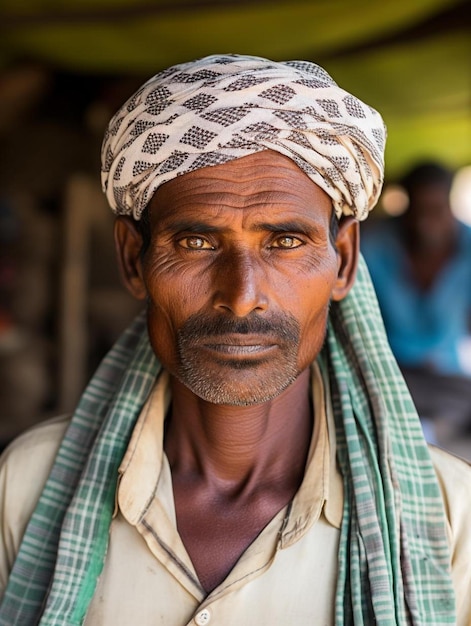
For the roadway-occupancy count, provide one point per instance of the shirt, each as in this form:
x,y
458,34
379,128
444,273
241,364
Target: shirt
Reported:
x,y
287,576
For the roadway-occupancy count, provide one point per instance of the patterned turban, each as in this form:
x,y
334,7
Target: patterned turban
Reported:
x,y
220,108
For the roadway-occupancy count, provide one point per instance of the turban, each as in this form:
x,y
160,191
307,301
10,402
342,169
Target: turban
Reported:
x,y
219,108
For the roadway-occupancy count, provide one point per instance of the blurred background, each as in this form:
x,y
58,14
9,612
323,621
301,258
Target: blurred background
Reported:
x,y
65,67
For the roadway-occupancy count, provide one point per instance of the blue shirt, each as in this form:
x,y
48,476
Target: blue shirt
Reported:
x,y
423,327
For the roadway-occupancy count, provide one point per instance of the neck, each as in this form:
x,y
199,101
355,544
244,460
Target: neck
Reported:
x,y
241,446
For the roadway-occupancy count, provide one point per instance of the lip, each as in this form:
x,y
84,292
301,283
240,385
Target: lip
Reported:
x,y
244,350
241,345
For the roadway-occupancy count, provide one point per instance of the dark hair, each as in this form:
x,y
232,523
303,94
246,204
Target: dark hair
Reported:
x,y
333,228
143,226
427,173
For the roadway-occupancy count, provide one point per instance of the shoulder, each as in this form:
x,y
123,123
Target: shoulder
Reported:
x,y
24,467
25,464
453,473
37,446
454,477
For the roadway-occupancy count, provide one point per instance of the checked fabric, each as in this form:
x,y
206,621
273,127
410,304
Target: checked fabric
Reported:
x,y
393,555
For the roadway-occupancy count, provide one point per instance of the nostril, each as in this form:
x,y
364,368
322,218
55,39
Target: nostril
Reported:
x,y
241,290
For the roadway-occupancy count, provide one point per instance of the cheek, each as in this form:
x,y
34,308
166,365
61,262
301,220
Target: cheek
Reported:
x,y
170,302
312,337
314,303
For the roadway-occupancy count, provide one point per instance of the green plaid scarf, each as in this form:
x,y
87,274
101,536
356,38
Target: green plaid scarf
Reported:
x,y
393,557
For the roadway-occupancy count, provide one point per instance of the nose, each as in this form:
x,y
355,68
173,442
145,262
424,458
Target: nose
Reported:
x,y
240,285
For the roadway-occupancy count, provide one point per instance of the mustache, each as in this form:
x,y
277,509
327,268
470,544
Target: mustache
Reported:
x,y
200,326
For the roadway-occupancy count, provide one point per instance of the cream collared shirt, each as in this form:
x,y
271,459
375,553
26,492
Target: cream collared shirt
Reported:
x,y
286,577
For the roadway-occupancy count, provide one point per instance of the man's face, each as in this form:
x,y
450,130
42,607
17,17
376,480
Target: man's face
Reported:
x,y
429,218
239,276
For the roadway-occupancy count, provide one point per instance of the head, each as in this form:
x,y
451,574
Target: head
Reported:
x,y
250,222
429,221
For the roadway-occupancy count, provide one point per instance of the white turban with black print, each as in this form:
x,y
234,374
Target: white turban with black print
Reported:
x,y
220,108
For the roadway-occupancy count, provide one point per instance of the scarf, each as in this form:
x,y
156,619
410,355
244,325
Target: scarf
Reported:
x,y
393,554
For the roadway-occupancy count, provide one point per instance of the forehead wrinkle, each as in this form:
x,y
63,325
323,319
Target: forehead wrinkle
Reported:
x,y
270,211
245,172
254,177
211,193
213,205
276,179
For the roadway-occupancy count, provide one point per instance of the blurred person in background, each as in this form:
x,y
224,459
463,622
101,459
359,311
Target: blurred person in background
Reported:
x,y
420,264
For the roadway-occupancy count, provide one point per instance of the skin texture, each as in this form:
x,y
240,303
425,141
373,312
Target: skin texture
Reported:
x,y
238,280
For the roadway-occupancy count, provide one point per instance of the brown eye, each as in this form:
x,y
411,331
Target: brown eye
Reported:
x,y
195,243
287,242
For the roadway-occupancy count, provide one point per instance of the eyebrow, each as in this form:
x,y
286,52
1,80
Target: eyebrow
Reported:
x,y
294,226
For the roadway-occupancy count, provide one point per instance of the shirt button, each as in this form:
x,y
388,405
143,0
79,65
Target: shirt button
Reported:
x,y
203,617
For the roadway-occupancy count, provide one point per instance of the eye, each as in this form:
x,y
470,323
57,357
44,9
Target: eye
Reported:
x,y
195,243
287,242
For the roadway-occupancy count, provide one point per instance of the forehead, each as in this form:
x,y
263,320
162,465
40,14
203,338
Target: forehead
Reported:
x,y
265,182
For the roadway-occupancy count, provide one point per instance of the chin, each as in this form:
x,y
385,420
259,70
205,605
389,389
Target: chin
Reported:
x,y
238,389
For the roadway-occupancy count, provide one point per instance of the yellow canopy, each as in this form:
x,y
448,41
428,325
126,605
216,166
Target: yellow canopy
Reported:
x,y
410,59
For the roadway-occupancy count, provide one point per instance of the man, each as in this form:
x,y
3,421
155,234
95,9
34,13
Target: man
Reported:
x,y
420,263
228,464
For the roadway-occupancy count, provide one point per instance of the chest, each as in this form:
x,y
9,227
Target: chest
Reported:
x,y
148,580
217,532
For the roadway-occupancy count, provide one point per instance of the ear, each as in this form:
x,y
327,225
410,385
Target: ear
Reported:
x,y
348,249
128,243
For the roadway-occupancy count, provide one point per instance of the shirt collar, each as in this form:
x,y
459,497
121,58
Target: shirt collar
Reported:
x,y
321,490
140,468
